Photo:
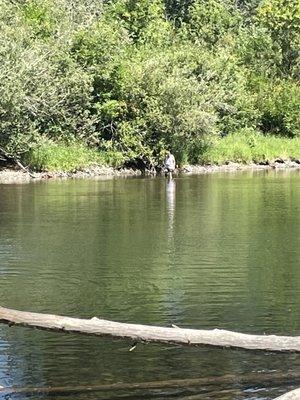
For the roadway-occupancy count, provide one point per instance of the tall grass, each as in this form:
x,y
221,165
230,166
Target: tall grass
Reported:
x,y
53,157
244,148
247,147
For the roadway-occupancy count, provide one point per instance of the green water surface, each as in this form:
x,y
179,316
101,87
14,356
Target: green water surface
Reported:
x,y
209,251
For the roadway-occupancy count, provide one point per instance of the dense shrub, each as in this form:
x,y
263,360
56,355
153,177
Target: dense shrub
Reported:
x,y
279,103
211,20
282,19
43,90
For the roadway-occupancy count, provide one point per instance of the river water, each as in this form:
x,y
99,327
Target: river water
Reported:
x,y
208,251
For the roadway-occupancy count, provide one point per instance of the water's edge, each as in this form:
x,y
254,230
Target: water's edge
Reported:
x,y
12,176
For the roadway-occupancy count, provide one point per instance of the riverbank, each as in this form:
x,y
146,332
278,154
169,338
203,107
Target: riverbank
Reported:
x,y
278,164
13,176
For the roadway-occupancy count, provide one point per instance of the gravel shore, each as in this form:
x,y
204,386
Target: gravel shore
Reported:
x,y
11,176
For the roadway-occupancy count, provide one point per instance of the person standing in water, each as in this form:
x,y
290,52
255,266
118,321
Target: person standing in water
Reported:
x,y
169,164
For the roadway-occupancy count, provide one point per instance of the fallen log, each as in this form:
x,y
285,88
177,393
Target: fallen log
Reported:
x,y
293,395
146,333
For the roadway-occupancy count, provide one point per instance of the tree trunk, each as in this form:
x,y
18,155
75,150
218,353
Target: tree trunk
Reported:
x,y
145,333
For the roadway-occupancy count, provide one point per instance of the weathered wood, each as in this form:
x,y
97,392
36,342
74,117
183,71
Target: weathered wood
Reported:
x,y
146,333
207,383
293,395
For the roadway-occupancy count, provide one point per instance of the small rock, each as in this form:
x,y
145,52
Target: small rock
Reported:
x,y
264,162
279,161
295,160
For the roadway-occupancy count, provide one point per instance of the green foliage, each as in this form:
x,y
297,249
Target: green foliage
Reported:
x,y
167,104
282,18
258,52
210,20
39,17
279,103
42,89
248,146
178,10
133,78
98,44
51,156
135,16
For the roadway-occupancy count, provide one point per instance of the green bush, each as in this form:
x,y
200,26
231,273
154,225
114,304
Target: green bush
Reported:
x,y
282,19
210,20
279,103
43,91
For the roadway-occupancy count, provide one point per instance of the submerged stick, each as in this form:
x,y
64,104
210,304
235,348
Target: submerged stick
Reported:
x,y
225,381
146,333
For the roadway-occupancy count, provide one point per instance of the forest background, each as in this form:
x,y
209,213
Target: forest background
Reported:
x,y
118,83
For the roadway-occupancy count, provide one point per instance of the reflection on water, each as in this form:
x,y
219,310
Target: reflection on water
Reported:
x,y
170,198
214,251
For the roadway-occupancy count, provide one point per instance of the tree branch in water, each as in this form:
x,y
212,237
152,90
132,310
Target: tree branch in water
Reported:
x,y
208,383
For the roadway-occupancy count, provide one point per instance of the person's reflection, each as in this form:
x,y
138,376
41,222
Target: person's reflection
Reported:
x,y
171,198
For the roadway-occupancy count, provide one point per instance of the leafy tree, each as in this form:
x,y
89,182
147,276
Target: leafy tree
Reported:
x,y
210,20
178,9
279,103
248,8
135,16
258,52
282,18
43,91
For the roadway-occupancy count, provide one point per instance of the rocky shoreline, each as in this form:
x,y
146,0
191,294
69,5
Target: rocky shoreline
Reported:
x,y
10,176
13,176
278,164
